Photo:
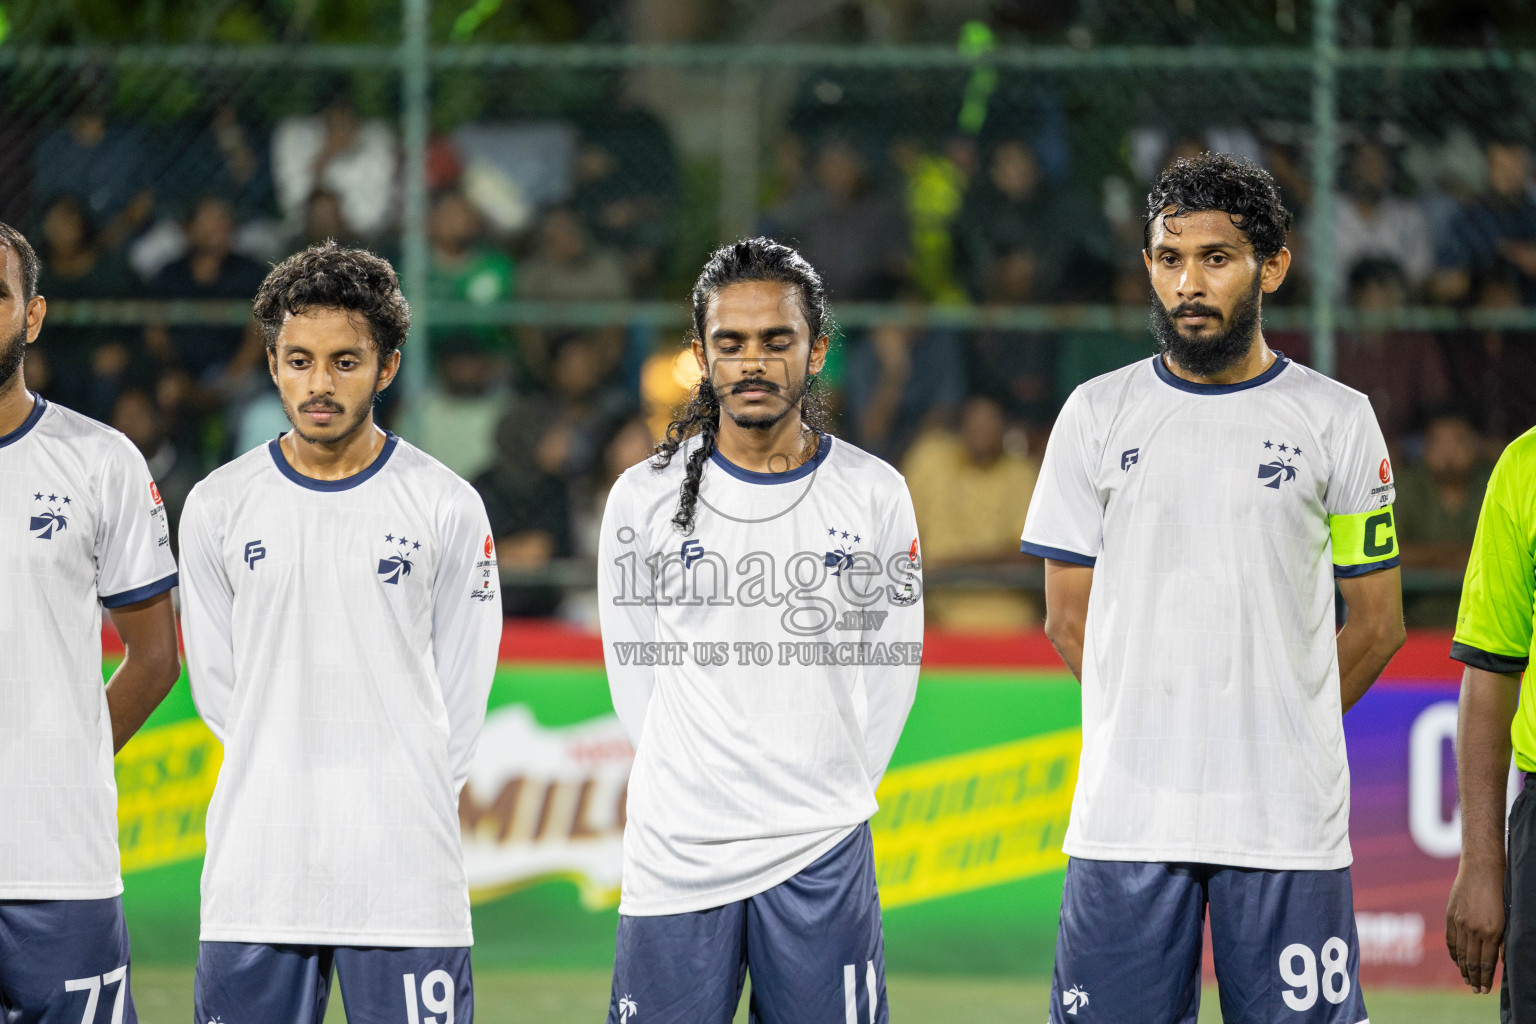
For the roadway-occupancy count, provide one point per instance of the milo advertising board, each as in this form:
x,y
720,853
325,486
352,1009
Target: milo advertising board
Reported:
x,y
967,839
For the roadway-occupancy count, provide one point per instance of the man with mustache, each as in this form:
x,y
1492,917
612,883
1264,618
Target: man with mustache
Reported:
x,y
1194,511
341,619
753,539
82,527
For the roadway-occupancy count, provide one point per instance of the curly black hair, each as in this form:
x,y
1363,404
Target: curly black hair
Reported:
x,y
751,259
329,276
1220,181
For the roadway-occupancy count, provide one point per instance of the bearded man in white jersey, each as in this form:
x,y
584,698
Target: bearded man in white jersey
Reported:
x,y
341,620
1194,511
761,609
83,528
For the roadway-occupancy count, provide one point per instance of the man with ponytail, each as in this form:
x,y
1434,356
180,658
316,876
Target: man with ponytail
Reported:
x,y
761,608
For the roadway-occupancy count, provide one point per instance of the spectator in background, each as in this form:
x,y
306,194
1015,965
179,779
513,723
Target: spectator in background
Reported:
x,y
1402,372
970,495
933,189
1009,209
464,269
1437,505
590,401
337,151
1370,220
1015,367
1496,232
138,415
632,443
527,502
1496,365
454,420
88,361
901,379
216,361
567,267
101,163
851,229
628,204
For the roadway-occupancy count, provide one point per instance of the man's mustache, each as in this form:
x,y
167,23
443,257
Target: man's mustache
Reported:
x,y
319,405
1193,309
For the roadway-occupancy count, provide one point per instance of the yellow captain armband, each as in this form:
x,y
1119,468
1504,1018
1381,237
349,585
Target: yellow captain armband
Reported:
x,y
1363,542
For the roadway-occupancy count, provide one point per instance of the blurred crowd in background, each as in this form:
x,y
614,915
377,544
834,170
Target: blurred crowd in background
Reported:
x,y
600,205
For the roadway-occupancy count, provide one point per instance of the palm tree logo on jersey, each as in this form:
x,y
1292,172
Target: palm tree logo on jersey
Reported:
x,y
1074,999
1279,470
627,1009
44,525
391,569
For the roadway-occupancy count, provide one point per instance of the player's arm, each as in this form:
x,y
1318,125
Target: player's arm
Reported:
x,y
1493,640
892,688
207,613
1372,633
1362,536
1066,610
134,577
623,586
1474,914
466,626
150,664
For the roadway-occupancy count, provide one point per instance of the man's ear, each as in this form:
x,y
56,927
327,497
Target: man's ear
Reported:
x,y
699,356
1273,272
37,308
819,353
389,370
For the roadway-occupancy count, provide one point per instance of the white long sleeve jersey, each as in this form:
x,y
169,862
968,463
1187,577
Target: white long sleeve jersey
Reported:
x,y
763,665
81,526
341,637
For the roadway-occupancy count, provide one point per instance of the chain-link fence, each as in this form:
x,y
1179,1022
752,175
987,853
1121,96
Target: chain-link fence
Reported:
x,y
975,205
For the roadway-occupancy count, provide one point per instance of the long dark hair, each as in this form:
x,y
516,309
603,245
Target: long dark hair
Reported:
x,y
752,259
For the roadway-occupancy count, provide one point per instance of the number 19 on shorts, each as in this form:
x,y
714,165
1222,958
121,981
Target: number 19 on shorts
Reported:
x,y
436,997
1299,970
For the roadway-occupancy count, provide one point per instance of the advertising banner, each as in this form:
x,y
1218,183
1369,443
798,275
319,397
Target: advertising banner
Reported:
x,y
967,839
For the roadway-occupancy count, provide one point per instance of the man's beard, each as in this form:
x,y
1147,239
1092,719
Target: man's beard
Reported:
x,y
1212,354
321,403
765,419
12,355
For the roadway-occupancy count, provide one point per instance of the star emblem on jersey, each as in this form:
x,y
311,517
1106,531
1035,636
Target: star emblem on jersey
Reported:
x,y
1279,469
398,565
627,1009
51,519
1074,999
841,556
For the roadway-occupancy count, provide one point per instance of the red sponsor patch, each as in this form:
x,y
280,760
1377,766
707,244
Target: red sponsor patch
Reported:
x,y
1386,471
154,492
912,551
490,549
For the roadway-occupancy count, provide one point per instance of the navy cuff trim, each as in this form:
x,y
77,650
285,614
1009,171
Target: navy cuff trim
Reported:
x,y
138,594
1057,554
1476,657
1349,572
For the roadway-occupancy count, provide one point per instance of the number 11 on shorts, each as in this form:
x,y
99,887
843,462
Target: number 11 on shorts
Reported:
x,y
436,996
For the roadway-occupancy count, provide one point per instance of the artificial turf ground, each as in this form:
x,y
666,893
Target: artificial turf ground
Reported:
x,y
163,995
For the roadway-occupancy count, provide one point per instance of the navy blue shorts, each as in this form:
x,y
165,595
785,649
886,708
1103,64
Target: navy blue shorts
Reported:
x,y
1129,944
812,944
242,981
64,962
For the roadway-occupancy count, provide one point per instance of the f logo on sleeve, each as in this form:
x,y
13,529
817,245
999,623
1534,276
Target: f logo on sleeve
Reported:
x,y
254,553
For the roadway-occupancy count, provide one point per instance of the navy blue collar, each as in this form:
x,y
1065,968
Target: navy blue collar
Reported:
x,y
752,476
39,403
346,483
1174,380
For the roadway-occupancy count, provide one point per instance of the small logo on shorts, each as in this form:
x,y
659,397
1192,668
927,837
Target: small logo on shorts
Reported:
x,y
1074,999
627,1009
